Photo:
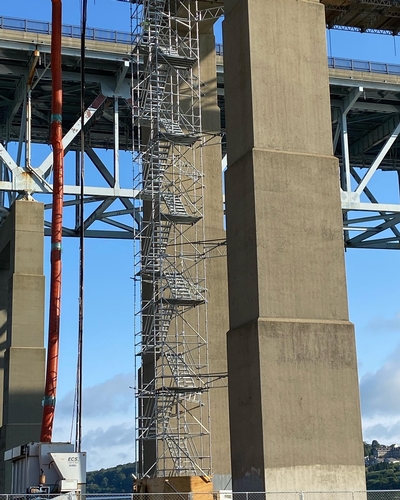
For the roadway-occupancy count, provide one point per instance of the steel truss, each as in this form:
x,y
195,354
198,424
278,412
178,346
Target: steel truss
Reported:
x,y
370,171
173,418
24,122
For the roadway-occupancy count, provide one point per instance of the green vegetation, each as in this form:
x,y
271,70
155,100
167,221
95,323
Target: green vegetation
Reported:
x,y
381,476
114,480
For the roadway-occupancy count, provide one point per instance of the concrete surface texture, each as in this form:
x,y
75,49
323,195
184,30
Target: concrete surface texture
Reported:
x,y
293,390
22,355
217,297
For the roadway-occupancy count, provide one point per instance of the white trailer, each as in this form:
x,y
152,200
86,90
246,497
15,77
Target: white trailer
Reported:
x,y
47,468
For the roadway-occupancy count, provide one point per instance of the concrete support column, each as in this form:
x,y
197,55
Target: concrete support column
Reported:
x,y
293,387
21,325
217,308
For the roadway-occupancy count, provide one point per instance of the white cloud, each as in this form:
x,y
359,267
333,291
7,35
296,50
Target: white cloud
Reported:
x,y
108,422
380,324
385,433
380,404
380,390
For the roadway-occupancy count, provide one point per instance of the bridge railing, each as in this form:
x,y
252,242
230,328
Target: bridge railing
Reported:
x,y
68,30
124,37
366,66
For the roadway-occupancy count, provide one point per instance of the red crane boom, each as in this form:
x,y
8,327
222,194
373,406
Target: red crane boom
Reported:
x,y
56,226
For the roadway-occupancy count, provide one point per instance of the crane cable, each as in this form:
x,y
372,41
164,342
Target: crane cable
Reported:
x,y
78,427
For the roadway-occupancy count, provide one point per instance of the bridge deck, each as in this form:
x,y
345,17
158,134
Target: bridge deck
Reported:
x,y
106,52
371,118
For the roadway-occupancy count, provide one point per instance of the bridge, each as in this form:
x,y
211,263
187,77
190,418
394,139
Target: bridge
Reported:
x,y
364,97
287,289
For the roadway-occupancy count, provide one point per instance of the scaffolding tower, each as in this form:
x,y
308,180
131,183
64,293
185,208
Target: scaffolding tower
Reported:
x,y
173,420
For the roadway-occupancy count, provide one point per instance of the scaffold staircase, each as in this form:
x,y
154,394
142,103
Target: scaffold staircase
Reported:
x,y
155,163
183,376
155,247
170,263
180,454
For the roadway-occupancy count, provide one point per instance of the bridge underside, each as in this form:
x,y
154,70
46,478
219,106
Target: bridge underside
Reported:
x,y
365,115
364,15
27,168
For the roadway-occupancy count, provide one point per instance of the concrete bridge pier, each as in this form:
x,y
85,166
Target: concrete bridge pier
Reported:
x,y
293,388
22,355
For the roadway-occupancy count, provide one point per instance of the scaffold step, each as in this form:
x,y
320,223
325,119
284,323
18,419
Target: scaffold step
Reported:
x,y
174,204
154,12
173,132
158,81
177,212
162,320
180,455
171,127
175,60
155,247
182,291
155,163
153,180
183,376
156,322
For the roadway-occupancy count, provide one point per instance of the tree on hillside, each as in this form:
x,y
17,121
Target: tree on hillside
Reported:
x,y
114,480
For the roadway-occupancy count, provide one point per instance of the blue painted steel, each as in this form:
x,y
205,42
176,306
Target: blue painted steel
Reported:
x,y
124,37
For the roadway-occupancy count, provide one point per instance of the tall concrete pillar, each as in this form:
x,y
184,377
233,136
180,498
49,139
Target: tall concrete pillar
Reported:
x,y
22,355
293,387
217,308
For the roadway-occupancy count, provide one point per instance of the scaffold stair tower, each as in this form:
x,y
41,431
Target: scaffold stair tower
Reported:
x,y
173,418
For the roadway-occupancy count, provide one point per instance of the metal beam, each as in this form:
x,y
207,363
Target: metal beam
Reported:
x,y
19,95
96,233
29,185
120,76
110,181
9,162
98,55
97,213
368,207
347,104
46,167
372,169
349,101
375,137
388,224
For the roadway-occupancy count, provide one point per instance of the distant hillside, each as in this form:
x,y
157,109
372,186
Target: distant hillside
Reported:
x,y
383,475
114,480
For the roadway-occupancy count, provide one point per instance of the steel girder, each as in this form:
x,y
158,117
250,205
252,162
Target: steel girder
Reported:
x,y
367,120
25,120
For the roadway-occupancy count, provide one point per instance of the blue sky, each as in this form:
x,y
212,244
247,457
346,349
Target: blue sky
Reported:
x,y
373,285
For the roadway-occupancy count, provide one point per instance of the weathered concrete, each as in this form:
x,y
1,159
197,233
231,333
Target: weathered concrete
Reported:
x,y
22,355
293,385
217,308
